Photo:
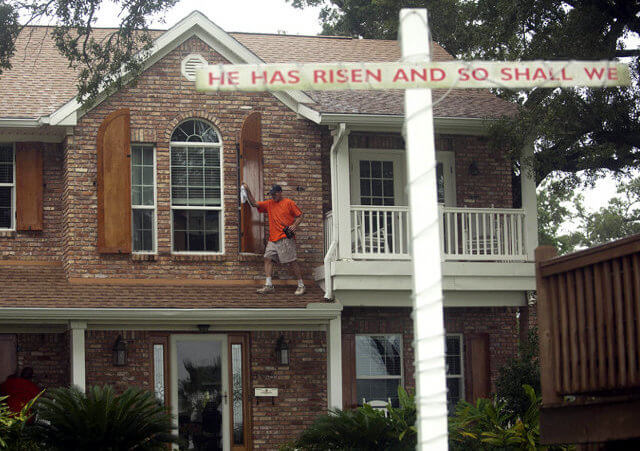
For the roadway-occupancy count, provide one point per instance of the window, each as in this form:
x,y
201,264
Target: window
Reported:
x,y
143,198
376,182
196,188
7,187
454,370
378,367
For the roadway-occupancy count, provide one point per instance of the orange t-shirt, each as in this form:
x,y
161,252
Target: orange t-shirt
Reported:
x,y
281,215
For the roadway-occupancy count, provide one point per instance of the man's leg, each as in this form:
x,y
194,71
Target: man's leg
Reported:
x,y
268,267
298,272
268,272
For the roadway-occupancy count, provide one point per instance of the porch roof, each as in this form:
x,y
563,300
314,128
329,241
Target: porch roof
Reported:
x,y
41,80
47,286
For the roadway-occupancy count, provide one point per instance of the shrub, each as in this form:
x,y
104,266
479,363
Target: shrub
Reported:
x,y
101,420
13,436
362,429
520,371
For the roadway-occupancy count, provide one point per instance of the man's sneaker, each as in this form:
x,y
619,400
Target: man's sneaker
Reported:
x,y
300,291
266,289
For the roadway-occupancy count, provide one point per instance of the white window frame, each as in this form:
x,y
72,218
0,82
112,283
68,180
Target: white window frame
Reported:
x,y
220,208
12,213
460,338
154,207
400,377
399,177
448,161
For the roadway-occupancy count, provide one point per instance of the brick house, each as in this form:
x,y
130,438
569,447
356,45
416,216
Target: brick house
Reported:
x,y
121,230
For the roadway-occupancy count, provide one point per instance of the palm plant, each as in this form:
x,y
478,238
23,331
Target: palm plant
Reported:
x,y
362,429
101,420
12,427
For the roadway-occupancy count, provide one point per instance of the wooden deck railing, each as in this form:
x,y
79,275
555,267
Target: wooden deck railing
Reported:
x,y
589,320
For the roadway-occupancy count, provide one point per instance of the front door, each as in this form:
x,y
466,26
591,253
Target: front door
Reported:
x,y
199,395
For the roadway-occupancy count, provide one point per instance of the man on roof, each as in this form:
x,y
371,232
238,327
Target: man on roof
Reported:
x,y
284,218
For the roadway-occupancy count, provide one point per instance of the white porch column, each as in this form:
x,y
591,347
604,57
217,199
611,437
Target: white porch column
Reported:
x,y
529,201
78,370
334,363
431,398
341,210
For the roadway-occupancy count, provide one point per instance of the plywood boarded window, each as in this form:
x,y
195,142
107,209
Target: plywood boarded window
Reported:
x,y
251,169
114,184
478,352
29,186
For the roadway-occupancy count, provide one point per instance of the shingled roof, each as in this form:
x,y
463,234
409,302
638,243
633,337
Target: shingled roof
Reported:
x,y
48,286
41,80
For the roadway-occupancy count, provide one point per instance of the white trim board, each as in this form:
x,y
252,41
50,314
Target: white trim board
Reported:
x,y
315,313
389,298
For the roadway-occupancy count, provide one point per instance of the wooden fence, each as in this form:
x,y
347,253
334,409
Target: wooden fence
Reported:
x,y
589,324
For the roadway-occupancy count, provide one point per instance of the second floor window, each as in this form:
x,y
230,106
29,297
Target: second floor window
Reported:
x,y
196,188
143,198
7,186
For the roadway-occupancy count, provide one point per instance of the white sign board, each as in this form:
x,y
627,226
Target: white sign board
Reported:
x,y
268,392
411,75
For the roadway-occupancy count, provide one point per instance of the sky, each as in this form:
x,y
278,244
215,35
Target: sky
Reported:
x,y
278,16
257,16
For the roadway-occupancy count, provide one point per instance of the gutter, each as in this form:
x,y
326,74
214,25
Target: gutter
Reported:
x,y
313,312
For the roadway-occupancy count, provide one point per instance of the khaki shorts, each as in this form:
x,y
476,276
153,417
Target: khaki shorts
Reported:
x,y
281,251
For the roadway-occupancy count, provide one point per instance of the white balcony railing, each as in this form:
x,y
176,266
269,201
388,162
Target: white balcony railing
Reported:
x,y
495,234
328,230
480,234
380,232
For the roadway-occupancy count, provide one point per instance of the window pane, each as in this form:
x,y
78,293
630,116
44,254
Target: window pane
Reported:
x,y
387,169
5,207
147,158
236,370
196,156
378,355
377,390
376,187
147,195
453,393
196,230
376,169
365,169
196,182
365,188
136,175
143,230
387,188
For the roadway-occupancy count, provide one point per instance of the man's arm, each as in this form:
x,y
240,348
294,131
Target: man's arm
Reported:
x,y
252,200
297,221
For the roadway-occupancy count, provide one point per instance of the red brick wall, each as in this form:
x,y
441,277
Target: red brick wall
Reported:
x,y
302,386
499,322
385,321
48,355
139,369
159,101
491,187
44,244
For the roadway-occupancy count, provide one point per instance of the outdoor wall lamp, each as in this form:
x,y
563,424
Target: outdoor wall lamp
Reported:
x,y
473,168
120,352
203,328
282,351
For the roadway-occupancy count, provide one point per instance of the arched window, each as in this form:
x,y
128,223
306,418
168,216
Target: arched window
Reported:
x,y
196,188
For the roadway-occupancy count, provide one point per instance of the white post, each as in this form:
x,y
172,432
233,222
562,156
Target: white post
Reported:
x,y
342,211
427,278
77,330
334,363
529,201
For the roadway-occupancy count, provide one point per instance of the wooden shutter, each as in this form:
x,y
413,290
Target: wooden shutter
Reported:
x,y
114,184
251,222
349,394
29,191
478,352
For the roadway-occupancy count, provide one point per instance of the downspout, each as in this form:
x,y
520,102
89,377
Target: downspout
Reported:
x,y
338,137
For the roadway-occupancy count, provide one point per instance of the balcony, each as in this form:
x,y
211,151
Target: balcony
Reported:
x,y
466,234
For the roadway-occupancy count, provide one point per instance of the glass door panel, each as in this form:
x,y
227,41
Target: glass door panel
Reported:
x,y
200,394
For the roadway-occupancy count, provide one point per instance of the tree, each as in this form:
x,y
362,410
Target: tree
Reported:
x,y
574,130
100,59
557,205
